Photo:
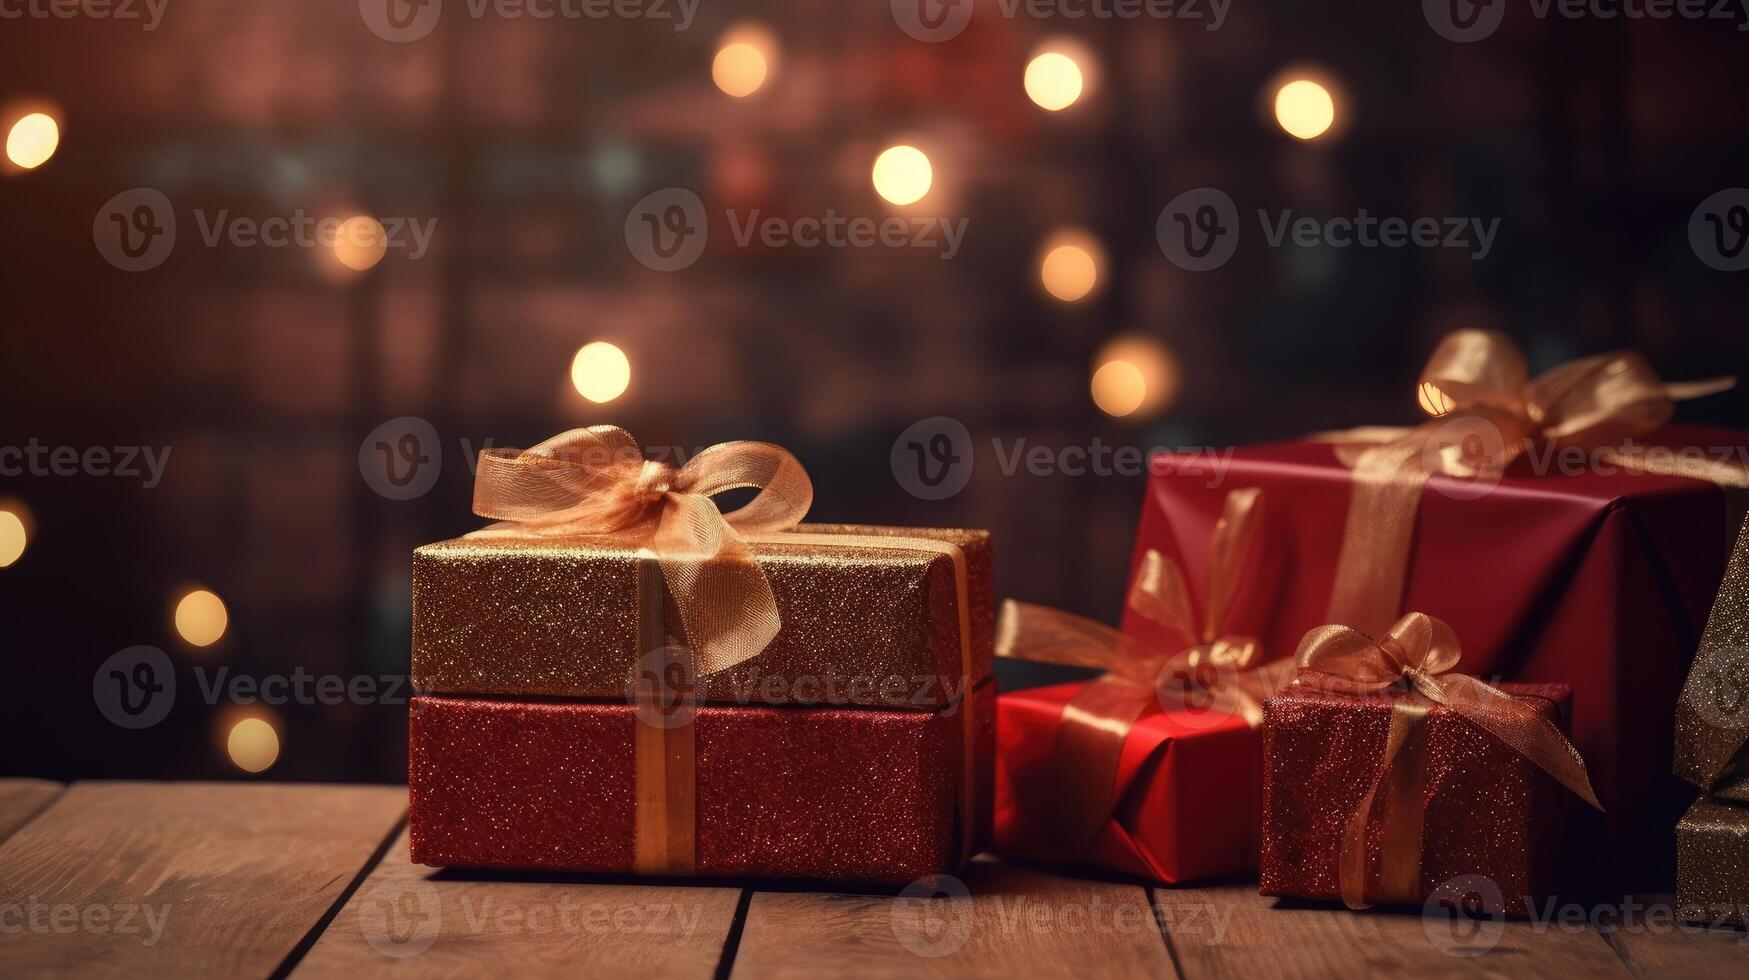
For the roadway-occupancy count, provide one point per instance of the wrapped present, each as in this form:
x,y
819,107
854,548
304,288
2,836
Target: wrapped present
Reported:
x,y
1151,768
1712,717
1712,863
1565,531
610,675
1388,780
830,793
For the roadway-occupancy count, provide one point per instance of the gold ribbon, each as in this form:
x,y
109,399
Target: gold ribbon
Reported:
x,y
1419,650
1712,716
1209,666
1488,412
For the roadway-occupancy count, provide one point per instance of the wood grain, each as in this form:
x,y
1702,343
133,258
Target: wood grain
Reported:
x,y
22,799
1013,923
410,920
1654,944
1231,931
183,879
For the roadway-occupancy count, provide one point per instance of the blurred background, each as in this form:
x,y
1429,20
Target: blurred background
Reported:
x,y
320,402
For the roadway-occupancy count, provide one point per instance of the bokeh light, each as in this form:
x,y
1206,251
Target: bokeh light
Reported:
x,y
14,536
1134,376
1304,108
601,372
32,140
201,618
1054,80
902,174
361,242
252,744
1069,265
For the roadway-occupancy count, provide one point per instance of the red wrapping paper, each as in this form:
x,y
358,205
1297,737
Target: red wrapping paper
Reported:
x,y
1489,811
1601,581
1186,792
828,793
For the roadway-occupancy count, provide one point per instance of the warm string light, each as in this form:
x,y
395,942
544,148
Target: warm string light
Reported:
x,y
14,532
1069,264
361,242
252,743
601,372
32,140
902,174
1134,376
1054,81
745,59
201,618
1304,108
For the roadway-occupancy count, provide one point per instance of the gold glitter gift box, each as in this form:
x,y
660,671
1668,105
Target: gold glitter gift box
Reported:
x,y
869,616
1712,863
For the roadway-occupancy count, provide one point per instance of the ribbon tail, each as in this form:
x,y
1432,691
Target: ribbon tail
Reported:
x,y
724,599
1524,730
1088,747
1680,391
1405,719
1045,635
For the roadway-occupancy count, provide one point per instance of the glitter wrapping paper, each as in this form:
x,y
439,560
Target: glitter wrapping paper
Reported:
x,y
1598,580
1712,863
1712,719
1489,811
1186,793
821,793
862,625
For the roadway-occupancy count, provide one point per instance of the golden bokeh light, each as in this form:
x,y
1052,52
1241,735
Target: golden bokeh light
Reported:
x,y
1069,268
739,69
14,537
201,618
601,372
1304,108
32,140
1434,401
1134,376
361,242
253,745
1053,80
902,174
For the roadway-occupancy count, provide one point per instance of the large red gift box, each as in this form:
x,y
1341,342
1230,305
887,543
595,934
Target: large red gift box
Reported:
x,y
1185,799
1493,820
1594,577
832,793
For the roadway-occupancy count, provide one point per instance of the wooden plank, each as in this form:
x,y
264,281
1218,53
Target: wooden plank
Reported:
x,y
22,799
412,920
180,879
1653,944
1002,922
1256,937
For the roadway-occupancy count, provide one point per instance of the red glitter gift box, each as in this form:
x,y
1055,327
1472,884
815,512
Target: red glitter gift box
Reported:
x,y
1487,811
830,793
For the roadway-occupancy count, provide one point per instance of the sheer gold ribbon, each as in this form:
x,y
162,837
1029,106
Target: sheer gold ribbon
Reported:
x,y
596,482
1210,671
1418,649
1488,412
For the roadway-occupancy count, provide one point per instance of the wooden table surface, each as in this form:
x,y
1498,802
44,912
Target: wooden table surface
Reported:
x,y
276,879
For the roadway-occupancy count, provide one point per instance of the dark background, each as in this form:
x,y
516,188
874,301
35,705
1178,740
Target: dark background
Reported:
x,y
1591,140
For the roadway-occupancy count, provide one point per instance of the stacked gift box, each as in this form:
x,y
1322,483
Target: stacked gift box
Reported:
x,y
566,722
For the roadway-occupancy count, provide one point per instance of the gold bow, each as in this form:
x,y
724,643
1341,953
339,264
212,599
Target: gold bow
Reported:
x,y
1211,670
596,481
1488,411
1420,650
